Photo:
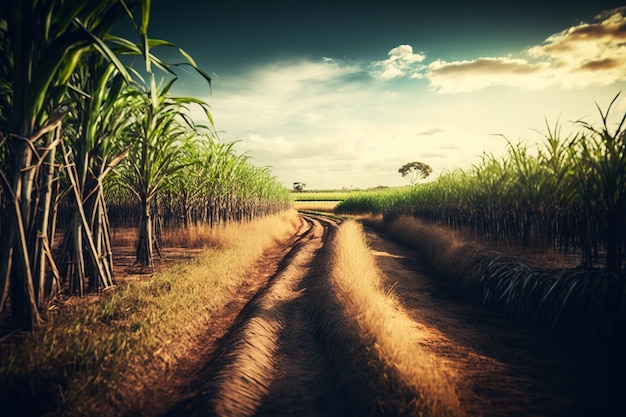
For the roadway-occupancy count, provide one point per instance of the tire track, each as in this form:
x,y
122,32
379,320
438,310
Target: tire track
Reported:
x,y
270,362
502,369
293,350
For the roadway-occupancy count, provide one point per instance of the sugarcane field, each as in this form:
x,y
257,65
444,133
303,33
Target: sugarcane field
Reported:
x,y
154,263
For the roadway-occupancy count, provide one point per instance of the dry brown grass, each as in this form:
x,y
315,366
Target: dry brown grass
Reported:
x,y
90,360
445,241
250,356
443,248
196,236
573,302
415,382
191,237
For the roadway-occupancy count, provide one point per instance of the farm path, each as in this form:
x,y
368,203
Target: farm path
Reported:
x,y
501,368
270,363
265,359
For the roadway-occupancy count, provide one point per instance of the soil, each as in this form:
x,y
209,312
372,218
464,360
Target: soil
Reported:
x,y
502,369
270,363
261,357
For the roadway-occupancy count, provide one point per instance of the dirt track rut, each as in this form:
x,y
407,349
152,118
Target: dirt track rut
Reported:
x,y
502,368
271,362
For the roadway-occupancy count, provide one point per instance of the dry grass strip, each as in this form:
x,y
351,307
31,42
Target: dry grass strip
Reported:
x,y
573,302
98,359
373,343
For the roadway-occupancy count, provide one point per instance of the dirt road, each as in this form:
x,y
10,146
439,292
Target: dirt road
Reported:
x,y
502,368
272,362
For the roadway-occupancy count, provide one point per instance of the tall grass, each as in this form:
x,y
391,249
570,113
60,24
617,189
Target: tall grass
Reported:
x,y
368,332
371,202
568,194
195,236
339,195
322,195
91,360
571,302
319,206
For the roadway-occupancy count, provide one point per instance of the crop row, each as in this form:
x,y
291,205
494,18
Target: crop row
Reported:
x,y
81,128
568,194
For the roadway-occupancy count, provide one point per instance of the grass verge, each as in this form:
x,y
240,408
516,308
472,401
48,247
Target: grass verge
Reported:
x,y
361,324
97,359
572,302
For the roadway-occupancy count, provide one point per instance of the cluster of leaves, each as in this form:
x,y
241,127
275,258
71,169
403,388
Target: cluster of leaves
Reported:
x,y
71,114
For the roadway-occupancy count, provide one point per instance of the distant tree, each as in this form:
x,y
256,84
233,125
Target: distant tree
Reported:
x,y
415,171
298,187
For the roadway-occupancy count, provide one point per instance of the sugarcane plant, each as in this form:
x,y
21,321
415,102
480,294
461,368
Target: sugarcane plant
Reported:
x,y
99,113
61,130
42,43
601,181
159,137
567,195
159,129
216,186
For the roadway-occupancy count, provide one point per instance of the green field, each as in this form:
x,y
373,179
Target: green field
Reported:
x,y
568,194
339,195
322,195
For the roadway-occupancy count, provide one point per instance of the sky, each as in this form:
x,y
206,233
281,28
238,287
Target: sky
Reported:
x,y
341,94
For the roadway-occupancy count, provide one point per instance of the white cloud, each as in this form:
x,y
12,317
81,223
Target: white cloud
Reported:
x,y
470,75
280,151
588,53
333,124
312,117
428,131
402,61
281,94
583,55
